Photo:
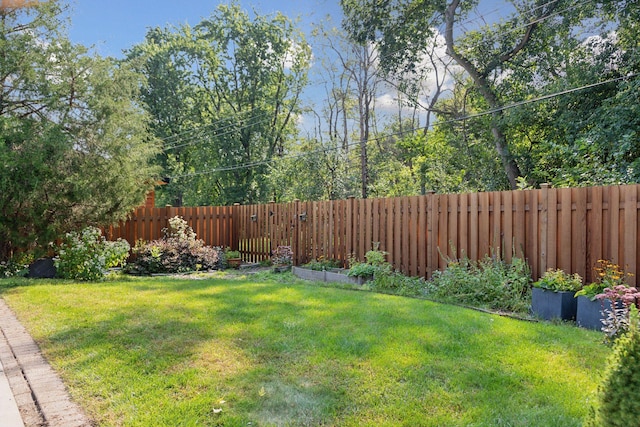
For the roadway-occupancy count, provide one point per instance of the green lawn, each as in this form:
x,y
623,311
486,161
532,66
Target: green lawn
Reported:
x,y
259,351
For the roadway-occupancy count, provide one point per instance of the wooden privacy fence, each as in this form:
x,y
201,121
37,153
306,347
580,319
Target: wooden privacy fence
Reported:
x,y
568,228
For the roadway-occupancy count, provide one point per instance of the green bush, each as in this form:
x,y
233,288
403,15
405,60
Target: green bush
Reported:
x,y
375,263
17,265
618,403
87,255
488,283
559,281
393,282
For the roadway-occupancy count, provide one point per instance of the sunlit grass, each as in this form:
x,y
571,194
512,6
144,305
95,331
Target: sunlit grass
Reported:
x,y
240,351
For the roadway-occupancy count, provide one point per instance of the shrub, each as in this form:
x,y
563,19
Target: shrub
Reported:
x,y
616,320
393,282
17,265
177,252
608,275
618,403
87,255
282,255
559,281
489,283
375,264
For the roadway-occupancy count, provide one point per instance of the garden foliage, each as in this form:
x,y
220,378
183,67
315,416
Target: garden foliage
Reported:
x,y
488,283
382,277
608,275
618,403
87,255
178,251
617,320
75,147
559,281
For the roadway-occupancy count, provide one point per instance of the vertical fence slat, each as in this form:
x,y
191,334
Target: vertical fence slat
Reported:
x,y
630,230
564,228
473,225
461,213
554,228
579,235
507,225
483,226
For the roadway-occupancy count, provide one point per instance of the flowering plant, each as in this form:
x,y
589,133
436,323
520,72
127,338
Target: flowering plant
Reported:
x,y
608,275
559,281
616,319
86,255
178,251
282,255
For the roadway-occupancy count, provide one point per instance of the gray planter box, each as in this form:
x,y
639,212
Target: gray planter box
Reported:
x,y
553,305
326,276
589,314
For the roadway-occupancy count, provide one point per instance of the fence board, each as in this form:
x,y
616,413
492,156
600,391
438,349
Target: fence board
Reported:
x,y
460,211
579,237
630,229
553,228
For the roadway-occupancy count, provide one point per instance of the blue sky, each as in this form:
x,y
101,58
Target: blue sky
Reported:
x,y
119,24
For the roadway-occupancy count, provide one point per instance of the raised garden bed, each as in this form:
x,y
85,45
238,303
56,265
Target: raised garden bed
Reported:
x,y
550,305
334,275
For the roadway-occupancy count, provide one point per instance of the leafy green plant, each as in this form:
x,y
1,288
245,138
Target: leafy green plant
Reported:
x,y
177,252
376,263
618,403
321,264
393,282
231,254
608,275
489,283
87,255
559,281
17,265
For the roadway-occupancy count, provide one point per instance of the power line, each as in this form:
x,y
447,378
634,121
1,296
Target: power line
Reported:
x,y
400,133
197,138
197,134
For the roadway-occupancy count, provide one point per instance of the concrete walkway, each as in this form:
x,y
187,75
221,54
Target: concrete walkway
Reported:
x,y
31,393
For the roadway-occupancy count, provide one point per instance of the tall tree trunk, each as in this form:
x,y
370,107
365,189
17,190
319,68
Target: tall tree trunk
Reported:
x,y
502,147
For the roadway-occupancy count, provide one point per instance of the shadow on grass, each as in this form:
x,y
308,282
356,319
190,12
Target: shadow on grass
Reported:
x,y
161,351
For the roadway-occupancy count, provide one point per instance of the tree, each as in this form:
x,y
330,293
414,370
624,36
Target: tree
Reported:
x,y
239,82
74,145
513,59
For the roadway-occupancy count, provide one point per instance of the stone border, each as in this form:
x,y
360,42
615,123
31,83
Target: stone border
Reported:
x,y
41,396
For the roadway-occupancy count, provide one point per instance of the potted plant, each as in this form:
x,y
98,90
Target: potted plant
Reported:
x,y
590,310
282,258
233,258
552,296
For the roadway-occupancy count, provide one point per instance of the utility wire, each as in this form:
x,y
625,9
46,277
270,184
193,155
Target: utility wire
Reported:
x,y
400,133
198,138
196,133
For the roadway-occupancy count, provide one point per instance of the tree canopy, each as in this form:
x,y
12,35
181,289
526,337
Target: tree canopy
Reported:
x,y
224,96
74,145
538,49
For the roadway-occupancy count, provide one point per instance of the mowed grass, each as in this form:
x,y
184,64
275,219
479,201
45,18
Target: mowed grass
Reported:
x,y
259,351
